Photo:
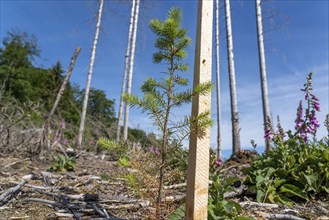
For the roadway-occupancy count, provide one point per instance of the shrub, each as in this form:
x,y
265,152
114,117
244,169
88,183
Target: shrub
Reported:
x,y
298,166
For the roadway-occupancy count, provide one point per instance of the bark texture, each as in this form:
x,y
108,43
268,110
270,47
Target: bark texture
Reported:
x,y
233,94
262,68
131,69
126,68
219,146
90,72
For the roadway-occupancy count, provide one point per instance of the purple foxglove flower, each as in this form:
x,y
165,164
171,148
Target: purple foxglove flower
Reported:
x,y
65,142
303,135
309,129
269,135
63,124
315,98
299,119
152,149
299,125
218,163
157,152
57,136
314,121
316,106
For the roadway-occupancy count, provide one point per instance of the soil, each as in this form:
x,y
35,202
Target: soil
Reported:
x,y
99,176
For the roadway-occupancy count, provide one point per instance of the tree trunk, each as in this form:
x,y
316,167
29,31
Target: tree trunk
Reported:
x,y
262,67
123,89
91,65
131,69
219,147
233,94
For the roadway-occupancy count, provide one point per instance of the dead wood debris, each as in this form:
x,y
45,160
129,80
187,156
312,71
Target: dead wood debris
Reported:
x,y
10,193
88,193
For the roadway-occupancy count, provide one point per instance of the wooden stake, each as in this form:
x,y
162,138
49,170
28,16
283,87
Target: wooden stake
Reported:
x,y
198,166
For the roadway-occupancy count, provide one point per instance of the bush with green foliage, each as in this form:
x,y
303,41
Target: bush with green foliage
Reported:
x,y
218,207
298,166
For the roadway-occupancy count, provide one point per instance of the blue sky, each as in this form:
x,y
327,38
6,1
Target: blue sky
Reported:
x,y
296,44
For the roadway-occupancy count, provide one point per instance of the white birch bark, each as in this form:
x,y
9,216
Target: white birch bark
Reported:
x,y
126,68
233,94
219,147
91,65
131,69
262,67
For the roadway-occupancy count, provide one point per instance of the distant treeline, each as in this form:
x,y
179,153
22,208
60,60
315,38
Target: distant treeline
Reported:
x,y
22,81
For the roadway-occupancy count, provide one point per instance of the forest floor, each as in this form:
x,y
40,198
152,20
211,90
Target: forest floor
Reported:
x,y
98,189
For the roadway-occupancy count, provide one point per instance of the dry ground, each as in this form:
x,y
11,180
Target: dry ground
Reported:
x,y
104,178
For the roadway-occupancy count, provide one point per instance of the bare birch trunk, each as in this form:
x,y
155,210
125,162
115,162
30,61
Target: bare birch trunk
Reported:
x,y
126,68
233,95
92,59
219,147
131,69
262,67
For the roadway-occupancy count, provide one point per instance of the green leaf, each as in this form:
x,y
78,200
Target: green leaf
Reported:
x,y
243,218
260,195
284,200
178,214
293,190
311,181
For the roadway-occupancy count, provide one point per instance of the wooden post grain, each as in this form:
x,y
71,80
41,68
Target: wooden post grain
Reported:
x,y
198,165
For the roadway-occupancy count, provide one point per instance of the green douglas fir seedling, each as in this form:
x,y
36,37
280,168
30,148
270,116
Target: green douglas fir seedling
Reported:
x,y
162,97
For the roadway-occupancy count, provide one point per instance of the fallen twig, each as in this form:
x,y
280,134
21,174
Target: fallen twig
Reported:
x,y
34,186
6,196
235,193
46,202
13,163
265,205
281,216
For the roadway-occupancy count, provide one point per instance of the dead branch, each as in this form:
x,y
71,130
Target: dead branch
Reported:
x,y
13,163
235,193
265,205
281,216
9,193
46,202
66,79
35,187
81,197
